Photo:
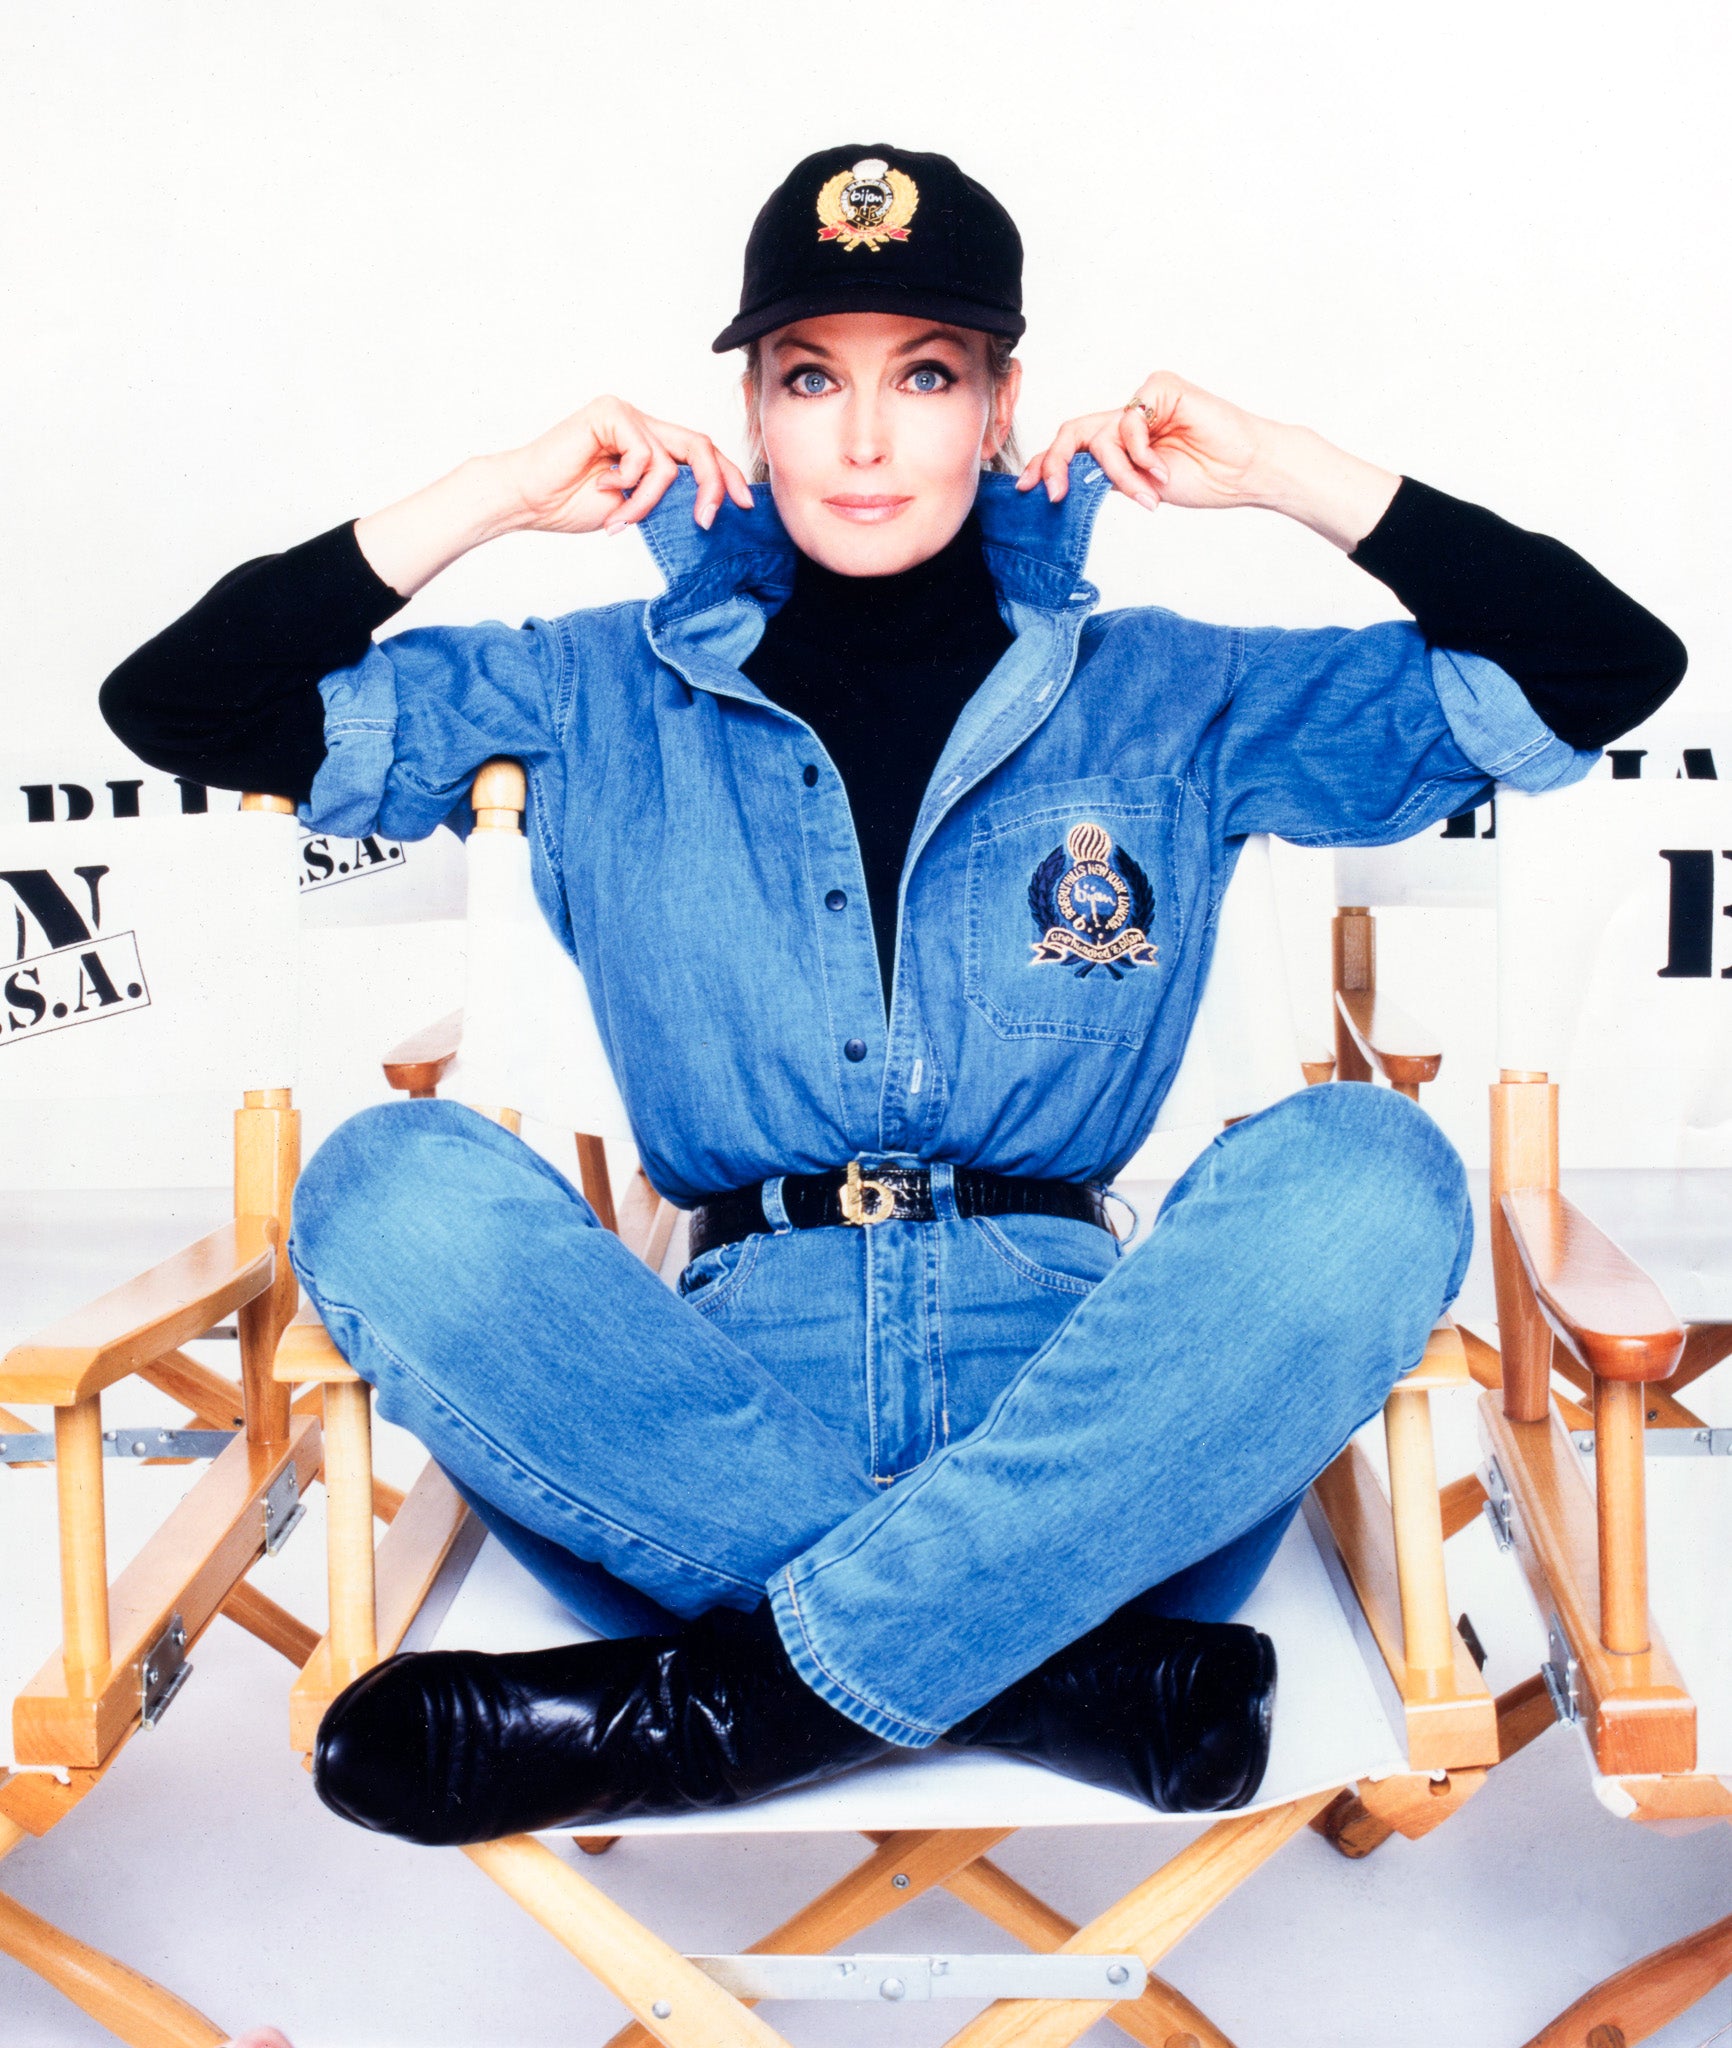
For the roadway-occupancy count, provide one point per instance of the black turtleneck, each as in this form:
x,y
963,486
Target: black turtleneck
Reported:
x,y
880,667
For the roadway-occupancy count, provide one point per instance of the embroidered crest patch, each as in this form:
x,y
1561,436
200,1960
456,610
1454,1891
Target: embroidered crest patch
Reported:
x,y
870,204
1093,912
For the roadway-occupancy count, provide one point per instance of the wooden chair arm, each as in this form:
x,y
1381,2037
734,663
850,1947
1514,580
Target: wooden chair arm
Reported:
x,y
1391,1042
1601,1306
156,1312
307,1357
418,1065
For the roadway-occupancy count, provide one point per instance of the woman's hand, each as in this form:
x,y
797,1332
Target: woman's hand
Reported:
x,y
575,477
572,479
1200,451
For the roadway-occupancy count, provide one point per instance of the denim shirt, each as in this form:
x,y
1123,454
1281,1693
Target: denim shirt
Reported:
x,y
694,849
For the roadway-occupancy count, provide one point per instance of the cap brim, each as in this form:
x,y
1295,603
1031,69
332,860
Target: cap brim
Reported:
x,y
870,295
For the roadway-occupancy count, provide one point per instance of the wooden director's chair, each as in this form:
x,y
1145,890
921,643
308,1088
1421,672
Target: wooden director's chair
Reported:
x,y
156,957
1615,1496
1378,1697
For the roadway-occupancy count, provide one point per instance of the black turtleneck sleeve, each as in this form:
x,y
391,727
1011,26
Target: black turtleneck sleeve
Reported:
x,y
229,694
1589,660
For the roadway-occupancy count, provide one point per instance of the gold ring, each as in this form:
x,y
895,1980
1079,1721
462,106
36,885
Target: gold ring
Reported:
x,y
1147,411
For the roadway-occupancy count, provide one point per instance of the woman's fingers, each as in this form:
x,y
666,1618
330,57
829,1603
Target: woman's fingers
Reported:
x,y
1131,464
704,459
1109,451
1139,443
1052,466
654,478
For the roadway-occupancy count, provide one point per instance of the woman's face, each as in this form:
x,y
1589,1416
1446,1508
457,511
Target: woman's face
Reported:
x,y
875,429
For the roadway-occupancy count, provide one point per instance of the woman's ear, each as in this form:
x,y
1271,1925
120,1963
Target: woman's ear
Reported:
x,y
1004,397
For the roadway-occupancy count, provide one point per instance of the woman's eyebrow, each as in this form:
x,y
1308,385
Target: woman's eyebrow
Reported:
x,y
926,340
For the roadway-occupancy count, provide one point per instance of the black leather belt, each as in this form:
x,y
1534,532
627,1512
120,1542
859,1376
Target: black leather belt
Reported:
x,y
889,1194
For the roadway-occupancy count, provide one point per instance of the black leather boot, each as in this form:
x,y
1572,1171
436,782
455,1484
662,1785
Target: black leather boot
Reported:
x,y
1177,1714
456,1746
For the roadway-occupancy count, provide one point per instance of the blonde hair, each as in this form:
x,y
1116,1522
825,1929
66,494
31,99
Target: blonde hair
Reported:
x,y
999,350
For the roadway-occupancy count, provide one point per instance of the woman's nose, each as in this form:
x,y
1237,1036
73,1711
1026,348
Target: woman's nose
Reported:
x,y
865,434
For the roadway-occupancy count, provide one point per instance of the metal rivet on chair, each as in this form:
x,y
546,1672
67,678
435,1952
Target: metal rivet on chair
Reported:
x,y
661,2009
1116,1973
900,1880
893,1988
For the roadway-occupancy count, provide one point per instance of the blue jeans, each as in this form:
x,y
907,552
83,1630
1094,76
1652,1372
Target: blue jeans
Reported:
x,y
946,1449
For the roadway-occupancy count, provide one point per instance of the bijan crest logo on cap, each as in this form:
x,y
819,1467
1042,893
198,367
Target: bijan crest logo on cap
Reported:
x,y
870,205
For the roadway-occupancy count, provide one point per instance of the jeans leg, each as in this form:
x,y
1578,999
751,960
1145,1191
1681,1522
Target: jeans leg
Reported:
x,y
549,1371
1289,1283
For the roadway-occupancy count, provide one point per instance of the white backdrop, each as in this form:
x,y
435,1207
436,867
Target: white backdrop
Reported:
x,y
270,267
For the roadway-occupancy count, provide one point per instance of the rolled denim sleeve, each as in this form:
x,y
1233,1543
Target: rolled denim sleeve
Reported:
x,y
407,726
1340,737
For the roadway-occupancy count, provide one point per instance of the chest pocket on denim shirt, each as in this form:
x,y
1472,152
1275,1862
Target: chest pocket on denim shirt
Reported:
x,y
1073,909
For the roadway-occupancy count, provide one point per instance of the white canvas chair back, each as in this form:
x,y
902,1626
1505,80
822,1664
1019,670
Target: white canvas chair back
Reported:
x,y
348,884
1451,866
530,1041
1615,965
148,956
1243,1051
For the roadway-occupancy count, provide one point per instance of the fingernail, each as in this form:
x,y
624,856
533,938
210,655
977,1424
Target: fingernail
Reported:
x,y
615,526
1148,501
1157,469
707,519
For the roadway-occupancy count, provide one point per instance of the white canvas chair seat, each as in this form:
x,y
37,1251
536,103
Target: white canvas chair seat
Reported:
x,y
1331,1724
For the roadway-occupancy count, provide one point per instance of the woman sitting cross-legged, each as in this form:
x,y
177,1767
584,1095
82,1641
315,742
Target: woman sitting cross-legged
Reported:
x,y
892,867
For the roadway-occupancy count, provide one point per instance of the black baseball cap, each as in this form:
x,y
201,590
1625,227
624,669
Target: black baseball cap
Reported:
x,y
869,228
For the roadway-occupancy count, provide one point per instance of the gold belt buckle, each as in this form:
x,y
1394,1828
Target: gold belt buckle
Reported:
x,y
854,1191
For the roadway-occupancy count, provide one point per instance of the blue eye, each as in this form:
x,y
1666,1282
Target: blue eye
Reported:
x,y
928,378
808,383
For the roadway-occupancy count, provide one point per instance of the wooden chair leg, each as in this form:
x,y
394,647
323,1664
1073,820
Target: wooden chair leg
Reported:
x,y
129,2005
1349,1826
900,1870
1648,1995
1153,1918
1524,1713
284,1632
349,1512
83,1539
1162,2018
1459,1503
596,1182
595,1845
669,1996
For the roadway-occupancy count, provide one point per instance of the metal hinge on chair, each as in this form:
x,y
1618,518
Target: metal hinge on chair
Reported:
x,y
284,1508
921,1977
1562,1673
162,1671
1499,1508
146,1441
1669,1443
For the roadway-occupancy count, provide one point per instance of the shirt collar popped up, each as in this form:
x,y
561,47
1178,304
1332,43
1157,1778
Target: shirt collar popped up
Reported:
x,y
721,585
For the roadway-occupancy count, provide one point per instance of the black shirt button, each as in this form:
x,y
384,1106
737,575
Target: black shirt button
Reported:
x,y
809,774
836,900
855,1050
